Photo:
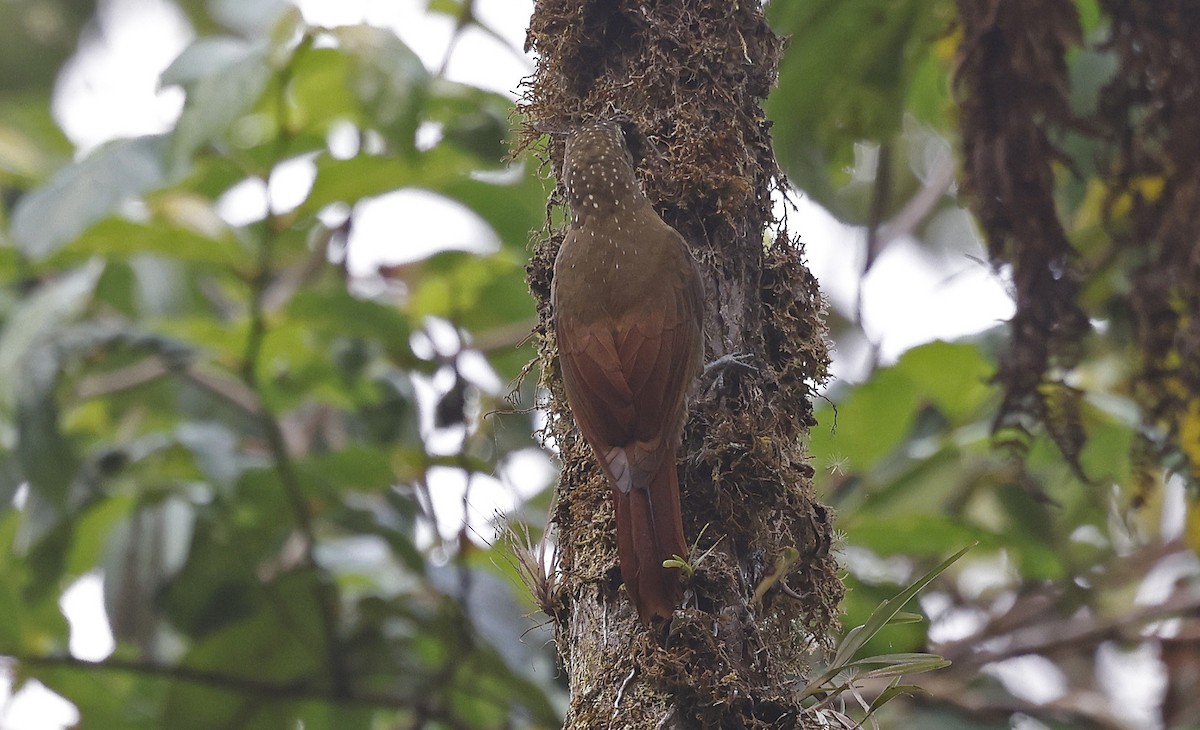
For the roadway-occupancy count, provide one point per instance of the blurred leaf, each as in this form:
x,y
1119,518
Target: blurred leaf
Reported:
x,y
232,82
513,202
11,480
11,604
233,539
364,176
871,421
92,530
476,292
47,458
955,376
36,38
321,92
206,56
86,191
354,467
826,102
31,144
1028,523
107,699
282,645
338,311
929,534
215,448
252,18
51,305
29,368
391,82
474,120
116,238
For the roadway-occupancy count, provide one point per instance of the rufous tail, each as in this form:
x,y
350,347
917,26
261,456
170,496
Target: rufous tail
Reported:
x,y
649,531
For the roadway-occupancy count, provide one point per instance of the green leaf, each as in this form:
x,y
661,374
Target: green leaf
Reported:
x,y
826,102
47,457
954,375
884,615
1028,523
121,239
10,628
216,100
340,312
390,81
11,604
513,203
85,192
91,532
206,57
904,617
348,181
474,120
320,91
356,466
887,610
871,422
476,292
929,533
108,699
29,367
891,693
11,480
282,644
31,144
898,665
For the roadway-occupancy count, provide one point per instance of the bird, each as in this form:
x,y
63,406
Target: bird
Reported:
x,y
628,307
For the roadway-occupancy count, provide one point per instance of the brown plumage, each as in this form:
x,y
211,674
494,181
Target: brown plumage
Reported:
x,y
628,310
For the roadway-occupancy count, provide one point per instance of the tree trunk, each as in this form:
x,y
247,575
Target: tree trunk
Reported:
x,y
689,76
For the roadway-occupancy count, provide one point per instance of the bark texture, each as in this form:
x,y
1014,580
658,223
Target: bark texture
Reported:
x,y
686,78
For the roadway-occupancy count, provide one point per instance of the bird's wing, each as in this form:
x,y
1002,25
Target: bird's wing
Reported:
x,y
628,380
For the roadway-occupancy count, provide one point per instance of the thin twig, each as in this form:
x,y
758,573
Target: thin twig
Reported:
x,y
154,368
920,205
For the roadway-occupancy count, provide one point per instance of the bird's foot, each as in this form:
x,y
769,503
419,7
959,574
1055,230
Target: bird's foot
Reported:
x,y
739,360
714,371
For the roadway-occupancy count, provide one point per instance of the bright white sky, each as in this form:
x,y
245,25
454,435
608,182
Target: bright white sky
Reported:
x,y
110,89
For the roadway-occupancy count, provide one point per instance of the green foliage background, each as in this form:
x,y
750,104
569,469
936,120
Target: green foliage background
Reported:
x,y
222,423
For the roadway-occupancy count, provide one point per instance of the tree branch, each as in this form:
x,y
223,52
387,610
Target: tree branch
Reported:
x,y
1051,635
295,690
1083,705
154,368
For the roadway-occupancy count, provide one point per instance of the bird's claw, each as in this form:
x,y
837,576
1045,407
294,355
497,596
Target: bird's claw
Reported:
x,y
739,360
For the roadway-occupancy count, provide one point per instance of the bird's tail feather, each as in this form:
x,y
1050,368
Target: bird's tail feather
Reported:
x,y
649,531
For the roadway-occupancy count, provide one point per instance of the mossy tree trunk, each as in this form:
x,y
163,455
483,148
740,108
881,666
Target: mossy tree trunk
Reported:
x,y
689,76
